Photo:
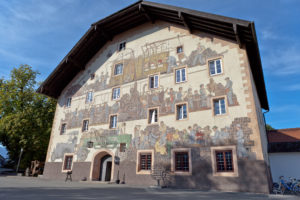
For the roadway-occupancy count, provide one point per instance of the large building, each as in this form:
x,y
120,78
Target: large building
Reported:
x,y
156,87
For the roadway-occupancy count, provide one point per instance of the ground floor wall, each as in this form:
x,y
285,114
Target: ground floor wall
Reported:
x,y
252,175
285,164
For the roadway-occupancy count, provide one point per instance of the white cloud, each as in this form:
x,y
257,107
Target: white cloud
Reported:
x,y
293,87
283,61
291,108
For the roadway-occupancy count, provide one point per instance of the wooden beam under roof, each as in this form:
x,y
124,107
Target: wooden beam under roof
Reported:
x,y
185,22
146,13
237,35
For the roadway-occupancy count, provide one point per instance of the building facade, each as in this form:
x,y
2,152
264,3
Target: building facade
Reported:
x,y
284,153
160,94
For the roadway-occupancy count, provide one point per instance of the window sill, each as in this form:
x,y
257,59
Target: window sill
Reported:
x,y
144,172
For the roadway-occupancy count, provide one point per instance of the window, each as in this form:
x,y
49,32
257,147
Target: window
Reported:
x,y
89,97
122,147
85,125
181,111
92,76
219,106
179,49
118,69
113,121
215,67
180,75
69,100
68,162
224,161
145,161
122,46
153,82
63,128
115,93
182,161
153,116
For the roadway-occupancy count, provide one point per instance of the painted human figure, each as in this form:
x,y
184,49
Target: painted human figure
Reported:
x,y
179,95
216,136
199,136
229,91
189,99
171,61
197,57
203,97
241,150
196,100
192,135
172,99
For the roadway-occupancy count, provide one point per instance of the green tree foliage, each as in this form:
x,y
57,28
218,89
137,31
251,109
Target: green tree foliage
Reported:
x,y
269,127
25,116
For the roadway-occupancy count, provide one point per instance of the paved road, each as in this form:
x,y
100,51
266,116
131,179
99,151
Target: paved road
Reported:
x,y
26,188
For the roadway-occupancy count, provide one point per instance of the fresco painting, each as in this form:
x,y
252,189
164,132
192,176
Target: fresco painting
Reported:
x,y
134,105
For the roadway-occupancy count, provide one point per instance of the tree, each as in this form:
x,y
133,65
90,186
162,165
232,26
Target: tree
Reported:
x,y
269,128
25,116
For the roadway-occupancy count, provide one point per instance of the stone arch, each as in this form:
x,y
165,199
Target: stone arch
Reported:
x,y
96,163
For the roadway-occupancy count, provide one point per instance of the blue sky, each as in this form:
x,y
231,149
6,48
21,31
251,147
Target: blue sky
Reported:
x,y
40,33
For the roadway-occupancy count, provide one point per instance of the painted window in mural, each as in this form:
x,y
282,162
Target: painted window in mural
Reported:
x,y
63,128
153,82
122,147
116,93
68,103
113,121
145,161
219,106
89,97
181,161
215,67
85,125
153,116
122,46
181,111
68,162
118,69
180,75
179,49
224,161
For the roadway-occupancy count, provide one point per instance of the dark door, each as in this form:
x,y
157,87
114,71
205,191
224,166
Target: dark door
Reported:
x,y
105,168
108,170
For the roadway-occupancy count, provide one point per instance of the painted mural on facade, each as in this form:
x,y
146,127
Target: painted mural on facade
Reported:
x,y
134,105
155,57
162,138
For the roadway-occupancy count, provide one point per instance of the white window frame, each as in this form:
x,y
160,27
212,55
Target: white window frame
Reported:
x,y
153,81
220,104
151,117
89,97
215,67
69,102
182,78
139,153
116,72
113,121
85,126
116,93
180,115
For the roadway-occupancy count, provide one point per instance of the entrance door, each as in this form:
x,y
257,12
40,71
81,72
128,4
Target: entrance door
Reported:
x,y
105,168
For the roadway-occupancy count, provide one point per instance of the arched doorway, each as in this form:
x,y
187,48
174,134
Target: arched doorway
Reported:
x,y
102,166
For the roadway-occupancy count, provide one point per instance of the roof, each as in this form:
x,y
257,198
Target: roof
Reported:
x,y
240,31
284,135
284,140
